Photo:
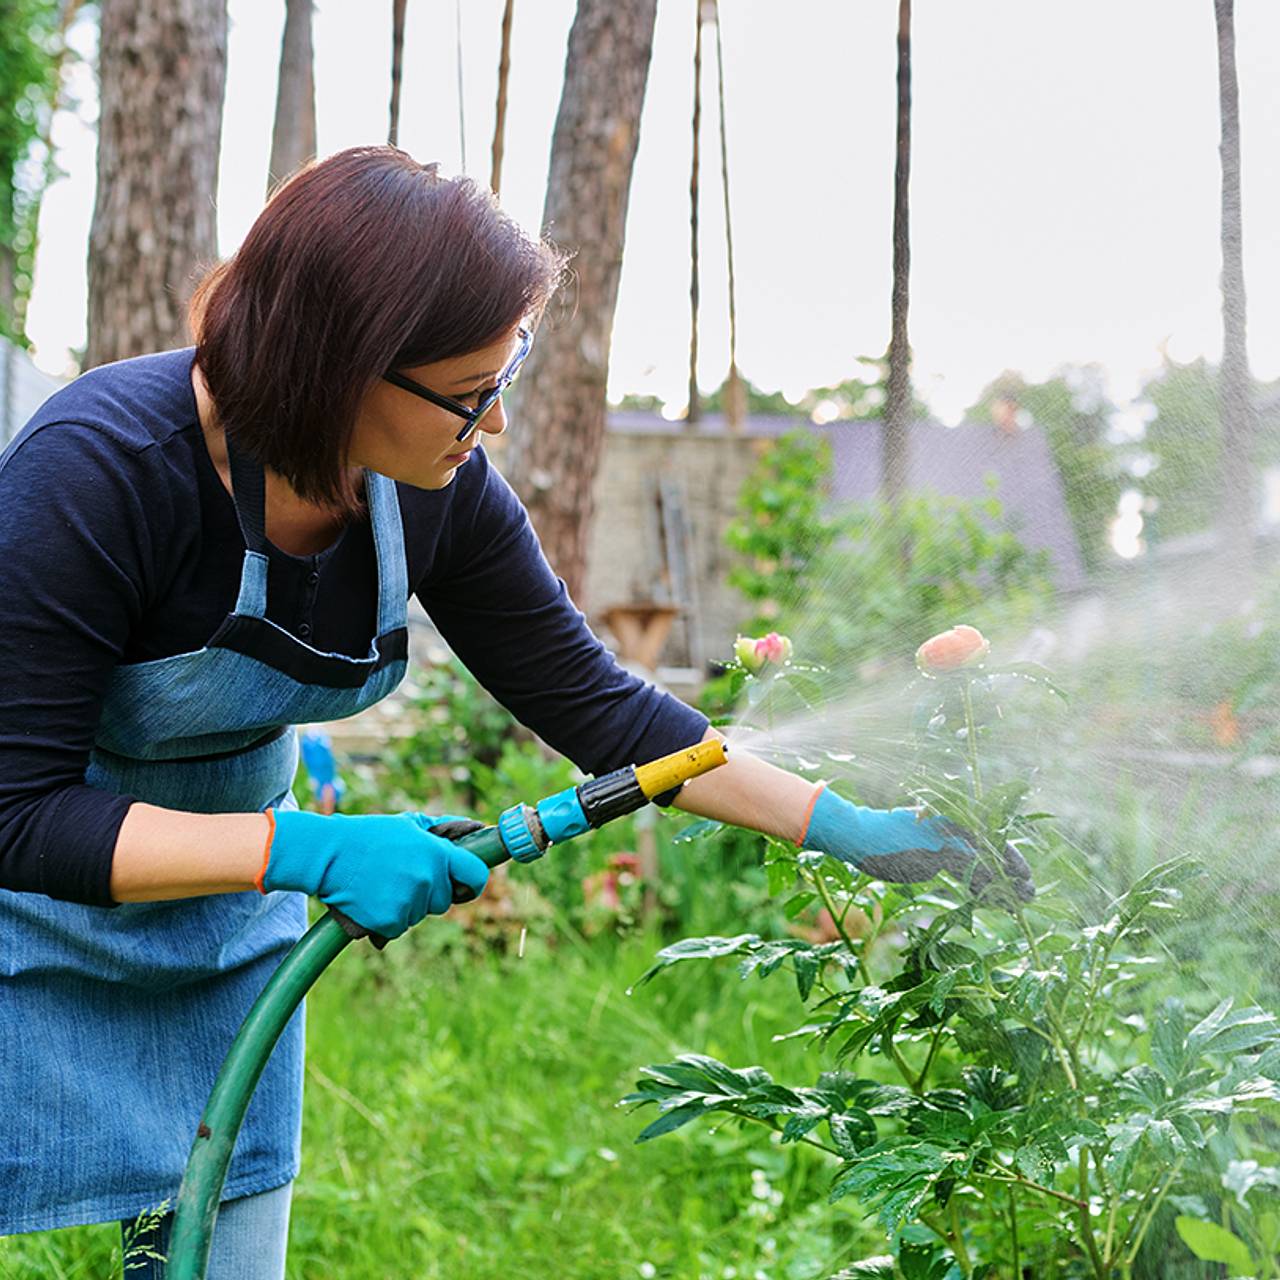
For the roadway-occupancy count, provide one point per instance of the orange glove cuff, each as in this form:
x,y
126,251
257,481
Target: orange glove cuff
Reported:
x,y
808,813
266,853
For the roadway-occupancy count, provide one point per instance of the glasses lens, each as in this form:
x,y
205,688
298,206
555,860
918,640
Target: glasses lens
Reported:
x,y
505,379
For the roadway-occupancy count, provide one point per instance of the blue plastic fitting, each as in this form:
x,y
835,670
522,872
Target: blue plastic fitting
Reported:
x,y
516,835
562,817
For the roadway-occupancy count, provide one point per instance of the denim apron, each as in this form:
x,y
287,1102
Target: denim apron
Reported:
x,y
114,1022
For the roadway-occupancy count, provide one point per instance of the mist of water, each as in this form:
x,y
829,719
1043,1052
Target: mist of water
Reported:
x,y
1148,759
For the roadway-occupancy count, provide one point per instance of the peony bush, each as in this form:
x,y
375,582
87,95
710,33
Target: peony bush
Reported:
x,y
1010,1090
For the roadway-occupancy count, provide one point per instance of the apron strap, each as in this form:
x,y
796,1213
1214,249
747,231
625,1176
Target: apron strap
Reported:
x,y
388,538
249,486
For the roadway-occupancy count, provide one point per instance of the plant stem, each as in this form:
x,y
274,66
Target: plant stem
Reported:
x,y
772,1123
1013,1236
971,740
1016,1181
1086,1219
820,883
1151,1213
957,1238
918,1087
1107,1255
902,1064
1133,1225
935,1226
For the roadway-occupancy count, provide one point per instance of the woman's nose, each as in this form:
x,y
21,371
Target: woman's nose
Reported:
x,y
495,421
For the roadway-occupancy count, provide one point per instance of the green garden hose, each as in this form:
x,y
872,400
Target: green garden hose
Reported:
x,y
524,833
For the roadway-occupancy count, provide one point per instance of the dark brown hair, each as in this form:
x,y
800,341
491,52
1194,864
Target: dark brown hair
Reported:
x,y
363,262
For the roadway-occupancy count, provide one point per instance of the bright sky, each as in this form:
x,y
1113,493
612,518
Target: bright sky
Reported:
x,y
1064,196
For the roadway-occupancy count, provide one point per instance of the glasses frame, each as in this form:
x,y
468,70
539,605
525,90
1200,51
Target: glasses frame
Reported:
x,y
486,402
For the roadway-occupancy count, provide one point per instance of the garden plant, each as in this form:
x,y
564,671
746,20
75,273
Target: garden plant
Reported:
x,y
1013,1088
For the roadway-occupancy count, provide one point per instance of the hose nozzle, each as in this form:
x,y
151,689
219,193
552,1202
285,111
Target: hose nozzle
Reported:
x,y
680,766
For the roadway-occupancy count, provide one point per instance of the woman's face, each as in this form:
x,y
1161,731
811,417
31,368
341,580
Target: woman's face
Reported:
x,y
400,435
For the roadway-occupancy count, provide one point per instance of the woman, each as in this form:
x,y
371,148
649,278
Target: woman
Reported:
x,y
199,550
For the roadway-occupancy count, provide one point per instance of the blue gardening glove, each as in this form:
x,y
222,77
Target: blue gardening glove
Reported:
x,y
384,871
317,757
899,845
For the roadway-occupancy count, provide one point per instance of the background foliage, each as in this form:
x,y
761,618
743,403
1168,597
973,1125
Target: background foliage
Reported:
x,y
29,61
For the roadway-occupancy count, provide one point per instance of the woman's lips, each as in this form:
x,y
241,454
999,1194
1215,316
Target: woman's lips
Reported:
x,y
457,458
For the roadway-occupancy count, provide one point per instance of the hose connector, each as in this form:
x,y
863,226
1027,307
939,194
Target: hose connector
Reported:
x,y
522,833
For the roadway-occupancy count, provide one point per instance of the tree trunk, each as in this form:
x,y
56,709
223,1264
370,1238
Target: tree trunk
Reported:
x,y
1237,518
161,72
897,403
559,427
293,135
397,64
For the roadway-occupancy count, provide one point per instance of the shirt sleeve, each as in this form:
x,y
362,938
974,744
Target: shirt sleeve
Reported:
x,y
76,543
510,621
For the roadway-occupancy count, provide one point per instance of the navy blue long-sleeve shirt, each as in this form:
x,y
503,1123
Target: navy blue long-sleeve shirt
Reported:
x,y
119,544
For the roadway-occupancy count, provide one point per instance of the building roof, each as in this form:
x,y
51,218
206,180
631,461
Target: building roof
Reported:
x,y
950,461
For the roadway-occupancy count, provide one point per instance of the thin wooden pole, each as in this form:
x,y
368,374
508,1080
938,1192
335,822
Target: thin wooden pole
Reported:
x,y
695,401
462,111
397,65
500,113
897,408
1237,513
735,394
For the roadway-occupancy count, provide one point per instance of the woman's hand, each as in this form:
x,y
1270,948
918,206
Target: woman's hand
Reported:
x,y
385,871
899,845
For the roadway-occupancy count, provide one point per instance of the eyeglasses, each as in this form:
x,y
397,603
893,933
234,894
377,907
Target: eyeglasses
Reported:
x,y
488,397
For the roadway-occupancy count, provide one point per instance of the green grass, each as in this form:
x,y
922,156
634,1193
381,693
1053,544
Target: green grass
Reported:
x,y
461,1122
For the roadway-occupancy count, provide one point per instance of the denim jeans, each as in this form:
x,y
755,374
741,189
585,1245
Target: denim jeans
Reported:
x,y
250,1238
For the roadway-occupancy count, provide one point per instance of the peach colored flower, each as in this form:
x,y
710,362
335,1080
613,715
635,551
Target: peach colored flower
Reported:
x,y
962,646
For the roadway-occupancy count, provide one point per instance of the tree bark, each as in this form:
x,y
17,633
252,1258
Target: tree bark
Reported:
x,y
897,404
162,72
293,135
1237,512
559,426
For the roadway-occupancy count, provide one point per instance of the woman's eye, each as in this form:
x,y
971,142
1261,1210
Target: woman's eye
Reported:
x,y
474,397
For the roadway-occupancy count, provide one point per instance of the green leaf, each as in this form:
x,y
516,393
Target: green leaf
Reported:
x,y
1226,1031
851,1132
673,1119
1169,1041
897,1175
781,876
1212,1243
698,949
807,967
881,1268
1243,1175
797,903
697,831
924,1261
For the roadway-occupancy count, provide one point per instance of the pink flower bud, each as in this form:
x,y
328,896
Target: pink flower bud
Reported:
x,y
773,648
960,647
755,653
